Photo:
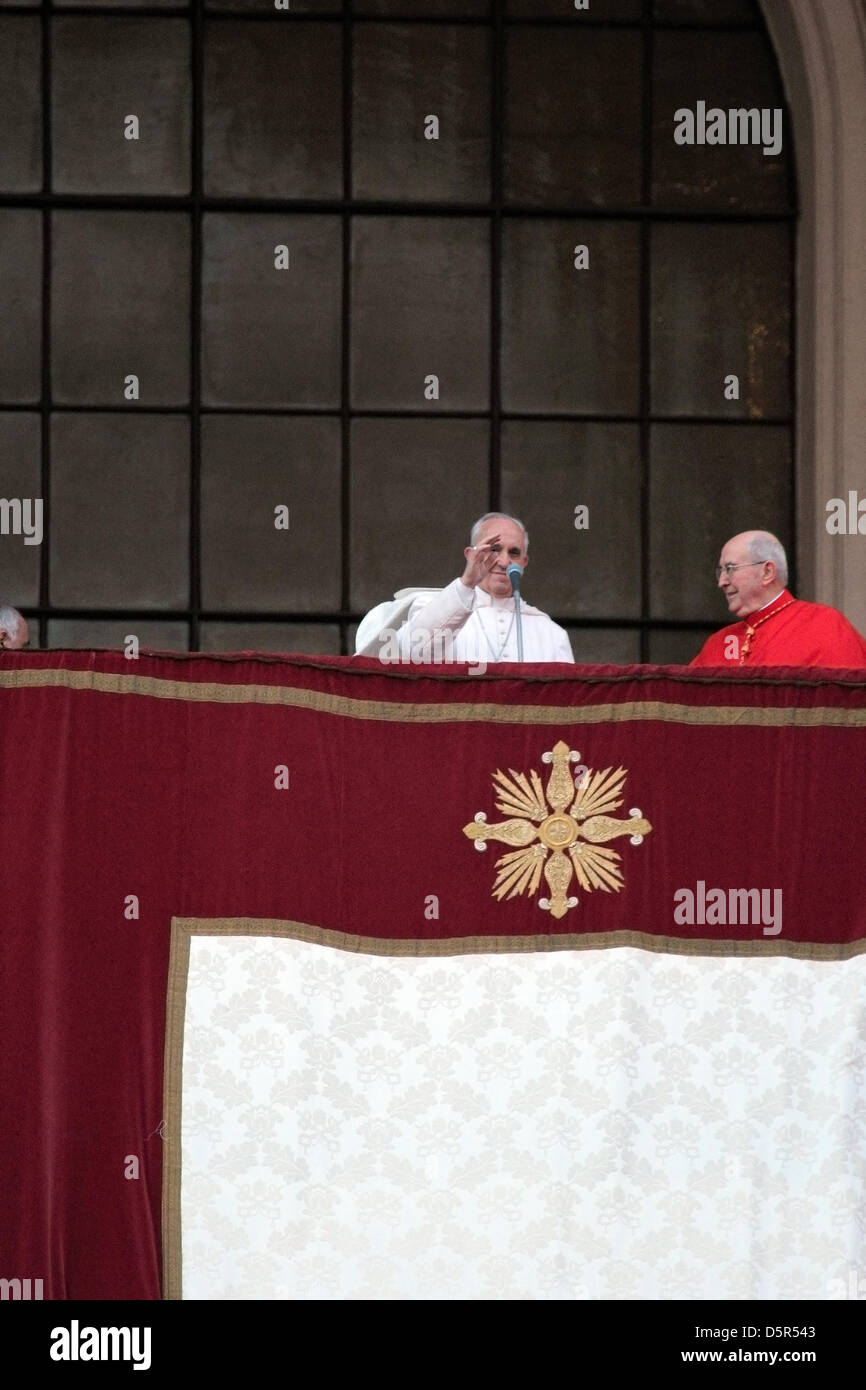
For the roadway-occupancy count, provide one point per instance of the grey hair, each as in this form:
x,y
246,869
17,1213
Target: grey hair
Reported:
x,y
765,546
10,620
502,516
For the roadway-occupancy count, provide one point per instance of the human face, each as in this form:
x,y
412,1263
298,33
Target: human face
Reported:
x,y
748,588
11,644
509,551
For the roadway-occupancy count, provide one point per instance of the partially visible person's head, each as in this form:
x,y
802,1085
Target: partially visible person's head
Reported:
x,y
512,549
751,572
14,632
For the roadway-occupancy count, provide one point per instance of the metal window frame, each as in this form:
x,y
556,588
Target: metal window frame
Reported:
x,y
196,204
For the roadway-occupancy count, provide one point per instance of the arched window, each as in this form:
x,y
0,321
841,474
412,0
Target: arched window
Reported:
x,y
387,266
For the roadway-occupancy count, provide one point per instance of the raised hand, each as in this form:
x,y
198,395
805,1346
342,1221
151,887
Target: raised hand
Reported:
x,y
480,560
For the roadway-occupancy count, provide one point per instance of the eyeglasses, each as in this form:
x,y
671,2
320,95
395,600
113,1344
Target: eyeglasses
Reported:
x,y
729,569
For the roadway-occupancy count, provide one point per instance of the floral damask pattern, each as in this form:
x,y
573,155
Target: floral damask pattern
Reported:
x,y
568,1125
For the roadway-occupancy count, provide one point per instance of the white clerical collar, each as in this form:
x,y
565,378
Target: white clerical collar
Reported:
x,y
483,599
769,601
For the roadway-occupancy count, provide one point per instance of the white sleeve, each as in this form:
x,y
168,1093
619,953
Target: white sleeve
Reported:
x,y
563,645
372,624
447,611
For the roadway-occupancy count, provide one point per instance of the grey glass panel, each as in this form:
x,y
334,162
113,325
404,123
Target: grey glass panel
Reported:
x,y
676,648
424,9
20,305
603,646
708,483
95,632
313,638
120,307
20,436
565,9
707,11
105,71
720,307
273,110
417,487
421,307
549,469
572,117
570,338
20,98
268,7
271,337
732,72
403,75
250,465
119,511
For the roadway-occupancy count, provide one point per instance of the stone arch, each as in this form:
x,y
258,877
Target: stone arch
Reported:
x,y
821,50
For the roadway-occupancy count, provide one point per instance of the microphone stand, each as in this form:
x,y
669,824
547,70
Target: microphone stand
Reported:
x,y
515,574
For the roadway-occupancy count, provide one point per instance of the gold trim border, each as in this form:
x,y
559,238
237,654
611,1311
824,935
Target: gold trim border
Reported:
x,y
186,927
404,712
172,1104
183,929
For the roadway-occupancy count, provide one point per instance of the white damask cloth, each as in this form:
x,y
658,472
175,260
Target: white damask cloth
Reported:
x,y
564,1125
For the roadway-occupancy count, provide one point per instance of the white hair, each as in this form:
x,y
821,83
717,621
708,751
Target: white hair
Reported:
x,y
10,620
498,516
764,546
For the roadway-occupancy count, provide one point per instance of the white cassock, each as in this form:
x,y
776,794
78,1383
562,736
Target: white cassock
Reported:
x,y
458,624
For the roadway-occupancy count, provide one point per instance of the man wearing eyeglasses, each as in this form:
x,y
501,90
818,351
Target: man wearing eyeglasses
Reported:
x,y
14,632
773,628
473,619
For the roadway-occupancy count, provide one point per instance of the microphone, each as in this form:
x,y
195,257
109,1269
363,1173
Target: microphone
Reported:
x,y
515,574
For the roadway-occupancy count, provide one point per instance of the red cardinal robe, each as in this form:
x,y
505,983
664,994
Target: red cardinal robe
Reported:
x,y
805,634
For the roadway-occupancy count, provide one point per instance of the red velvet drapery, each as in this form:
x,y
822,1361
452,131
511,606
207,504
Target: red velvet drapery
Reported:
x,y
150,787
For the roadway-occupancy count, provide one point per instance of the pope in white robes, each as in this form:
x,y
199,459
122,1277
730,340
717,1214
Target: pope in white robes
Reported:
x,y
473,618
